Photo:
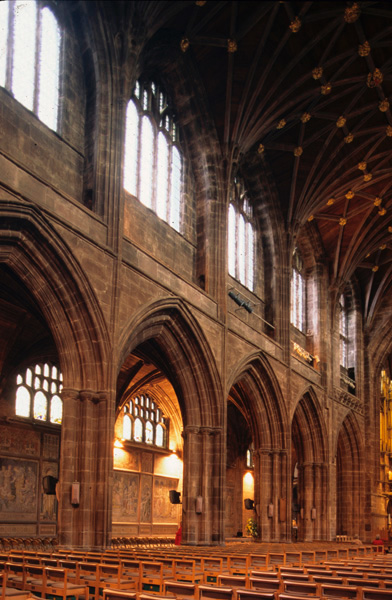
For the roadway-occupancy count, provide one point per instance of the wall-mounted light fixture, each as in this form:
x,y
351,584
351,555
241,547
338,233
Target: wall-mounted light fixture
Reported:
x,y
242,302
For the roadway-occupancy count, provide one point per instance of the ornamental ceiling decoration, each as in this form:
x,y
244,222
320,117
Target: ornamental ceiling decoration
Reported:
x,y
306,87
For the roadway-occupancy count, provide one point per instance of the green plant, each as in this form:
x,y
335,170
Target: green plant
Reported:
x,y
252,528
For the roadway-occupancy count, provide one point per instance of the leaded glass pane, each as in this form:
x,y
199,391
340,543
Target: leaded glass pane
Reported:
x,y
29,377
175,189
131,148
138,435
56,410
45,385
149,433
40,407
23,68
49,69
127,428
37,383
231,240
163,176
159,435
46,370
146,162
249,255
3,41
23,401
241,249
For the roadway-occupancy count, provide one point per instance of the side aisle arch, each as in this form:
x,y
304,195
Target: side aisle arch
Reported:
x,y
255,397
167,335
310,468
38,257
349,479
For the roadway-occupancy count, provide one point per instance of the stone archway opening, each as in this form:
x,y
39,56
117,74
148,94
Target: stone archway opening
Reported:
x,y
148,448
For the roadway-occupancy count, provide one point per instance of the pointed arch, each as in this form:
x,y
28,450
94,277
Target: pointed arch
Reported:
x,y
30,247
180,349
309,430
255,383
349,486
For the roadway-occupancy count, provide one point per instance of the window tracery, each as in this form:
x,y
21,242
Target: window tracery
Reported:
x,y
241,236
30,42
298,292
153,162
38,392
144,422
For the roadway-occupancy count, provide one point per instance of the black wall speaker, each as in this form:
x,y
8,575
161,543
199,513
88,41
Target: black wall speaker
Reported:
x,y
249,504
174,497
49,484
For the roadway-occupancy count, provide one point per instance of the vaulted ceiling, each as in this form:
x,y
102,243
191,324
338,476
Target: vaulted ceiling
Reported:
x,y
307,87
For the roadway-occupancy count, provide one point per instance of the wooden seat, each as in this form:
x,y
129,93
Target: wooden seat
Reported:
x,y
238,564
88,574
245,594
110,577
16,575
118,595
233,581
34,578
8,593
181,589
304,588
265,584
339,591
212,592
376,594
151,577
56,584
185,569
211,567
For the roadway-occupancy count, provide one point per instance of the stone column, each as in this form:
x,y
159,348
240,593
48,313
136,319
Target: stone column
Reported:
x,y
308,500
191,485
275,495
263,482
86,459
203,477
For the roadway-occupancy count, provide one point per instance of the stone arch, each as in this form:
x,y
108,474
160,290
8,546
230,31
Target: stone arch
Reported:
x,y
256,394
254,379
310,454
350,507
190,363
30,247
167,332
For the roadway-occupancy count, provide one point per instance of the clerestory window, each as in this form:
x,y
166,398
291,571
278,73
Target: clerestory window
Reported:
x,y
241,236
343,331
298,293
30,42
38,391
144,422
153,162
